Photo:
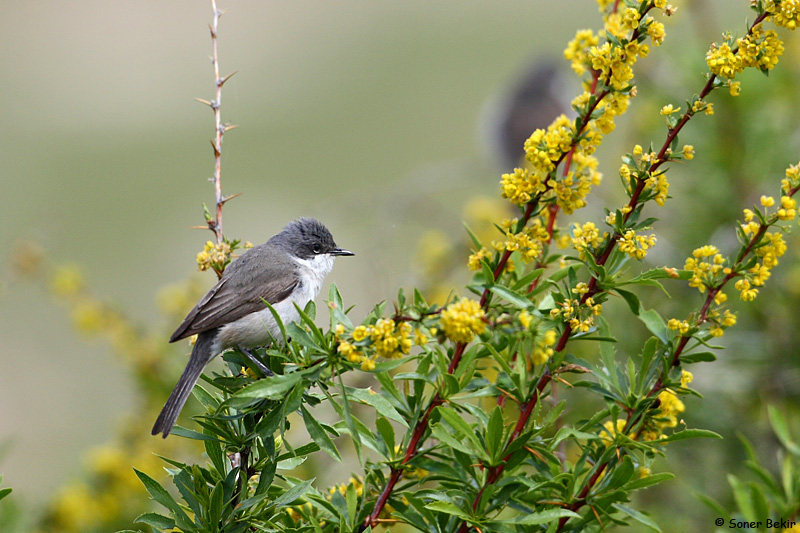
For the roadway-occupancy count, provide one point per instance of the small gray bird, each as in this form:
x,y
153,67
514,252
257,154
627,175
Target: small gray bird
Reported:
x,y
287,269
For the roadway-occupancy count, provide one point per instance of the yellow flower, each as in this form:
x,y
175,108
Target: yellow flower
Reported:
x,y
723,62
668,110
543,350
612,429
67,281
475,259
360,333
686,378
420,339
577,50
636,246
462,320
525,319
735,88
630,18
688,151
656,32
785,13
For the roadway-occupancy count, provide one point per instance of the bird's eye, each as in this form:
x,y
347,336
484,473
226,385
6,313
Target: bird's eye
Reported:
x,y
316,248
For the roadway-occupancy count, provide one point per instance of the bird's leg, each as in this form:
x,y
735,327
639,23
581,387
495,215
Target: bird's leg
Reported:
x,y
261,366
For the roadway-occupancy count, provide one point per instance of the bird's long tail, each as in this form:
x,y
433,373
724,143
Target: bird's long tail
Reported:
x,y
202,354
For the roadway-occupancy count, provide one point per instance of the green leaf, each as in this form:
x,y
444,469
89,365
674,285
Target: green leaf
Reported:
x,y
378,402
186,487
448,508
631,299
543,517
293,493
655,324
319,435
647,481
386,431
494,434
474,238
186,433
514,298
155,520
462,429
216,503
446,436
742,497
343,410
698,357
214,451
352,504
568,432
160,495
621,474
691,434
781,429
272,388
636,515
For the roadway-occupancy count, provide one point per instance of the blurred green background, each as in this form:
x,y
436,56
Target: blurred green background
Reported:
x,y
373,117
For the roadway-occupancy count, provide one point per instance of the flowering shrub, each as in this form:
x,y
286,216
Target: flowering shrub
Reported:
x,y
453,410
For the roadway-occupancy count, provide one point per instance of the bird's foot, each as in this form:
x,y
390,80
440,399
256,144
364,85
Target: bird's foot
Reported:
x,y
261,366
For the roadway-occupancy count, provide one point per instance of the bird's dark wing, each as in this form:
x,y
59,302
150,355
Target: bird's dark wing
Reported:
x,y
259,274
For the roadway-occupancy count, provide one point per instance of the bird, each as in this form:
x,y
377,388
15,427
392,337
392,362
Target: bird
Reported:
x,y
285,271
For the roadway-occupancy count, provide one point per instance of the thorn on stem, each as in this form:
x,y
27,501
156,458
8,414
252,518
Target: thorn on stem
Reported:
x,y
221,82
230,197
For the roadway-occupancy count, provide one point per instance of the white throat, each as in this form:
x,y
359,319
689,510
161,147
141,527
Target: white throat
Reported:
x,y
312,272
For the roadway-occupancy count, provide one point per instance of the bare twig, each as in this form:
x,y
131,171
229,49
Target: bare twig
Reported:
x,y
215,222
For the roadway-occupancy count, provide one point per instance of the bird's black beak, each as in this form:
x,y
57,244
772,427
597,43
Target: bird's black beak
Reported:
x,y
341,251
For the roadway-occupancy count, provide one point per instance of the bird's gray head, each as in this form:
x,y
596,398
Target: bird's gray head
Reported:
x,y
306,238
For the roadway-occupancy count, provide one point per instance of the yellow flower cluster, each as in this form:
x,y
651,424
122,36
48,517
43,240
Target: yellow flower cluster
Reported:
x,y
771,248
341,488
636,246
706,265
386,338
785,13
577,51
572,189
659,185
656,32
613,63
522,185
543,349
681,326
630,18
529,242
475,259
611,430
213,256
544,147
760,49
586,238
720,319
792,179
461,321
670,407
579,316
